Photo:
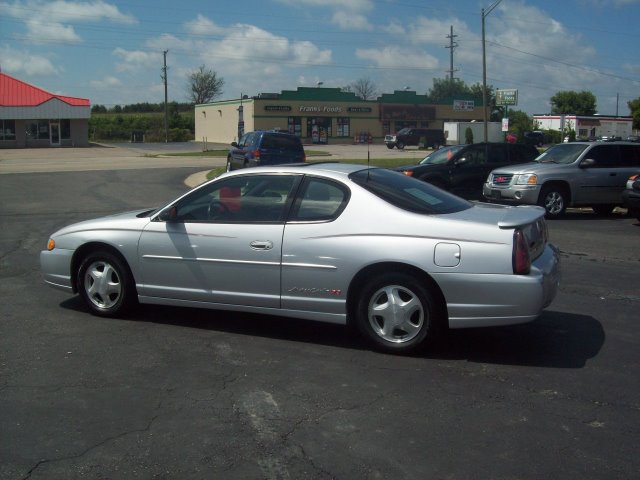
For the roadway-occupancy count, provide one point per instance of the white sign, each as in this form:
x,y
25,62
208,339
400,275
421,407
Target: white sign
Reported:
x,y
505,124
464,105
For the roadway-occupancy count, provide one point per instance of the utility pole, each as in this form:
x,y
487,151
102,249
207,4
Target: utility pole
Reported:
x,y
166,107
451,46
483,14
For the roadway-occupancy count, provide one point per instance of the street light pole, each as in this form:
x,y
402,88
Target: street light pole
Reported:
x,y
484,68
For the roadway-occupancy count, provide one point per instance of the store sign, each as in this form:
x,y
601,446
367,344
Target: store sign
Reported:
x,y
464,105
320,109
359,109
507,97
277,108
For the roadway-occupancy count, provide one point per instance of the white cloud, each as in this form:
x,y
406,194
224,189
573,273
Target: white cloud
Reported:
x,y
106,82
49,21
398,57
352,5
203,26
24,62
351,21
136,59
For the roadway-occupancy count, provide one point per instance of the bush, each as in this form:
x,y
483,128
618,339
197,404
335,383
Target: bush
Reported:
x,y
468,136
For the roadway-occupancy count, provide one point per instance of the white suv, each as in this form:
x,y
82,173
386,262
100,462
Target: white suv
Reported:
x,y
592,174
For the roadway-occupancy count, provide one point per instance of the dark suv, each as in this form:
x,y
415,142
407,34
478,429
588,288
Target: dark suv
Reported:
x,y
265,148
462,169
433,138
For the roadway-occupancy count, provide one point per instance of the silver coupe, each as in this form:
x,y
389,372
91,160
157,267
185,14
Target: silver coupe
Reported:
x,y
396,257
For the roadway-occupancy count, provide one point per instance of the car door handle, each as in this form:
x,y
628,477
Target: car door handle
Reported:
x,y
261,245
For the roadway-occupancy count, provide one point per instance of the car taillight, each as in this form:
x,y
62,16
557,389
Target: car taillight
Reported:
x,y
255,154
521,260
408,173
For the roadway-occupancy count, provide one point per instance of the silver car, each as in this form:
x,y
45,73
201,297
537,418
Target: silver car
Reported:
x,y
396,257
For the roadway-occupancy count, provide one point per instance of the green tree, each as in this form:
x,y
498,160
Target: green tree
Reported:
x,y
445,88
576,103
204,85
519,122
634,106
468,136
496,112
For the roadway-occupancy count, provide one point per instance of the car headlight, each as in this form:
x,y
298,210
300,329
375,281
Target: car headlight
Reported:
x,y
527,179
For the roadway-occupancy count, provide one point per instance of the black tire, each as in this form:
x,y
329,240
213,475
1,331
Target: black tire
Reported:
x,y
554,200
603,210
229,168
400,145
389,146
400,301
105,284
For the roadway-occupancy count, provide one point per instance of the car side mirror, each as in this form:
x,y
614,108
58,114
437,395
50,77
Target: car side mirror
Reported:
x,y
460,161
587,162
234,144
169,215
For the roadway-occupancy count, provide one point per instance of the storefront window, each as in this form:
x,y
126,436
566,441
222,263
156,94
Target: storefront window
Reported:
x,y
319,129
295,126
343,127
37,129
7,129
65,129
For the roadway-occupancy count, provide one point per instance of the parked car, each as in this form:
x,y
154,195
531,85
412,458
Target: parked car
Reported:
x,y
432,138
393,256
633,138
631,196
265,148
570,174
535,138
462,169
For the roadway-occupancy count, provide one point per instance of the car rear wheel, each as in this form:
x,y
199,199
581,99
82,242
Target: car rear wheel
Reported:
x,y
400,145
105,284
603,210
389,146
395,313
554,201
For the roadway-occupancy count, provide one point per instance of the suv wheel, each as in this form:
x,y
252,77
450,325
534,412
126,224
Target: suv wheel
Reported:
x,y
390,146
400,145
554,200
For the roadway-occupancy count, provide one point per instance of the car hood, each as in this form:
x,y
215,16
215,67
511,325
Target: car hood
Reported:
x,y
532,167
132,220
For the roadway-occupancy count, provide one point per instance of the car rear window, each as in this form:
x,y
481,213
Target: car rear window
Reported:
x,y
408,193
281,142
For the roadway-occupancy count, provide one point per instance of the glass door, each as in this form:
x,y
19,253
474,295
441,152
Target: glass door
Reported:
x,y
54,133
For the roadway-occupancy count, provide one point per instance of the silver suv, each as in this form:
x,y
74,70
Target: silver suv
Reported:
x,y
590,174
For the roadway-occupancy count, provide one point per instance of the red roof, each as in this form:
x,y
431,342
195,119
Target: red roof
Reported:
x,y
15,93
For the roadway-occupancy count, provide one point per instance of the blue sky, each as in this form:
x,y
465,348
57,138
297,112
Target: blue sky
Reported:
x,y
111,51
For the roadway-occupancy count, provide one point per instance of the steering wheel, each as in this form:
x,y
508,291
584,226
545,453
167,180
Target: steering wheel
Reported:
x,y
217,210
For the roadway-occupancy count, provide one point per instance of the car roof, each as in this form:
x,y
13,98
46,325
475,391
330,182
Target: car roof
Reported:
x,y
307,168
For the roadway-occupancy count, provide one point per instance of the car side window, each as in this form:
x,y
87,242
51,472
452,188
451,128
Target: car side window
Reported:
x,y
320,200
630,155
476,156
498,154
239,199
605,156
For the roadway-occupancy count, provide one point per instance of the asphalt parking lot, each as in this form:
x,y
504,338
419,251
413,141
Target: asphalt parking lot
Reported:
x,y
184,393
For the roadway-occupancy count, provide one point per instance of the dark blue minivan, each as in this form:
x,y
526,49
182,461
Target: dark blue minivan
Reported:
x,y
265,148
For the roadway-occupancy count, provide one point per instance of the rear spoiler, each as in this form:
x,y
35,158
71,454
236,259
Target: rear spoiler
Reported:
x,y
521,215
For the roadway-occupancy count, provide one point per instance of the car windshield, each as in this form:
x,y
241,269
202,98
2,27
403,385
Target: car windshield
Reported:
x,y
441,156
403,131
562,153
407,192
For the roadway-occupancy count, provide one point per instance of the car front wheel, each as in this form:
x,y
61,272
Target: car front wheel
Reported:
x,y
395,313
105,284
554,201
390,146
400,145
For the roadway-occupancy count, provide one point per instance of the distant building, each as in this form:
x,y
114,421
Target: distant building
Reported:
x,y
587,126
318,115
31,117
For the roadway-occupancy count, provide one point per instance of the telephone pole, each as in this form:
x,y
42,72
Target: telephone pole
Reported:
x,y
452,45
166,108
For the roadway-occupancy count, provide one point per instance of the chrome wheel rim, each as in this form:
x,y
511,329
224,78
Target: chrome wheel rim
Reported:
x,y
396,314
554,203
102,284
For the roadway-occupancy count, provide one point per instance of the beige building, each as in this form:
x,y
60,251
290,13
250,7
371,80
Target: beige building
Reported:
x,y
321,115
